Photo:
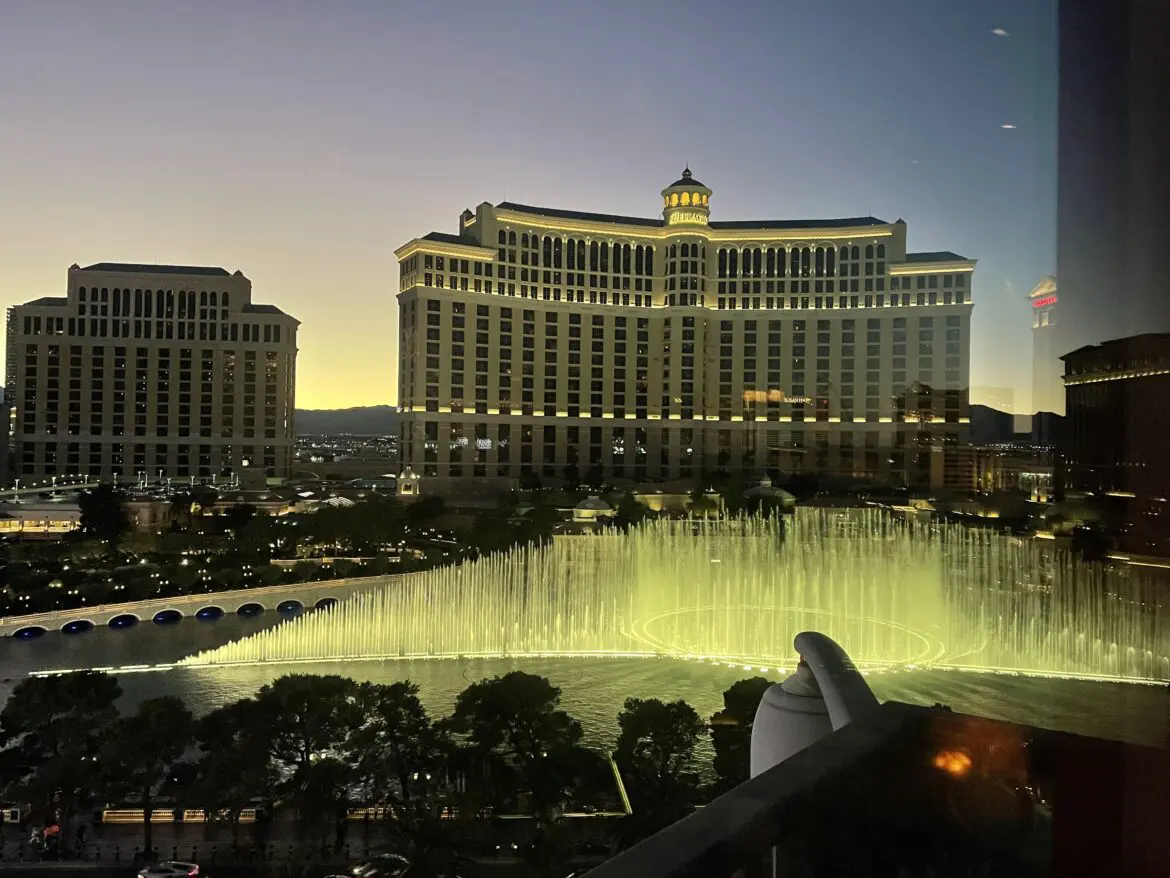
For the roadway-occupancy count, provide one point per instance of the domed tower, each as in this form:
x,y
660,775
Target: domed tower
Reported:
x,y
686,201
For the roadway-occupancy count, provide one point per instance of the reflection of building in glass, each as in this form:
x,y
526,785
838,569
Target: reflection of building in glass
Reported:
x,y
151,371
1047,389
539,339
1118,405
1113,177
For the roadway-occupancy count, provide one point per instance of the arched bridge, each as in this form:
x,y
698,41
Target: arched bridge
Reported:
x,y
245,602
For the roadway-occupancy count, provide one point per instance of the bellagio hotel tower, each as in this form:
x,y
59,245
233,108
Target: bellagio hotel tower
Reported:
x,y
545,341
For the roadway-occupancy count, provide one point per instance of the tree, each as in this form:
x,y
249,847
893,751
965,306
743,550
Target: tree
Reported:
x,y
517,719
551,851
537,526
183,509
629,513
234,771
425,510
319,792
431,846
238,517
305,717
50,735
731,731
140,752
398,748
103,514
656,749
306,722
594,477
530,480
572,476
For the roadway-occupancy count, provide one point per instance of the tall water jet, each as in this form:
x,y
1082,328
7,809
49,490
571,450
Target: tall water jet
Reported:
x,y
895,592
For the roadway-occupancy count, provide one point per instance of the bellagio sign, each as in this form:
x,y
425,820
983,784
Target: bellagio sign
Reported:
x,y
773,395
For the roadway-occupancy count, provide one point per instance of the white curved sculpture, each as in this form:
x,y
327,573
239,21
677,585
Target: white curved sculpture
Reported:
x,y
826,692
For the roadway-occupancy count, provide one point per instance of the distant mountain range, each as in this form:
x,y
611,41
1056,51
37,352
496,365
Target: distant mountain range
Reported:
x,y
991,426
370,420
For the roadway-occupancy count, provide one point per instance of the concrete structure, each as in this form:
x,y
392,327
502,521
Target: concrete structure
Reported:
x,y
1047,390
151,371
1118,404
39,519
248,601
592,510
57,517
538,339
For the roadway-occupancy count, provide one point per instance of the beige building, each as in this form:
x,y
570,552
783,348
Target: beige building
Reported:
x,y
151,371
539,339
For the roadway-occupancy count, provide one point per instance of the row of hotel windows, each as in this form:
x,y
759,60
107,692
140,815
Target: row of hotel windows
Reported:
x,y
41,399
619,323
575,253
566,441
184,460
625,450
164,301
100,327
797,262
880,300
162,356
637,259
724,302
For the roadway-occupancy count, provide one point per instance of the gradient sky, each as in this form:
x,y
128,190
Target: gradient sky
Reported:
x,y
302,142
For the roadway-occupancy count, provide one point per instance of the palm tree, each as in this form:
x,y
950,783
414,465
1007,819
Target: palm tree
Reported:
x,y
183,508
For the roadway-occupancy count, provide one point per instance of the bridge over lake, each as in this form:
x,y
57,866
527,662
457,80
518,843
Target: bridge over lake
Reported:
x,y
287,599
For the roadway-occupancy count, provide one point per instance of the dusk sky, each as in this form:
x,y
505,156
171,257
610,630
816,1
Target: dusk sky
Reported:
x,y
302,142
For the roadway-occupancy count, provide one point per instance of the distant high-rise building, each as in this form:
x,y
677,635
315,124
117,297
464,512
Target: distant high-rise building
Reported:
x,y
541,341
1047,388
151,371
1118,418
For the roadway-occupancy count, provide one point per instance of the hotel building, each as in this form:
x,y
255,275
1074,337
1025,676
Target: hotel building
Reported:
x,y
1047,387
1118,408
540,340
151,371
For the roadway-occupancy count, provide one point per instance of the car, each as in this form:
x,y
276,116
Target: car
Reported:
x,y
381,866
169,869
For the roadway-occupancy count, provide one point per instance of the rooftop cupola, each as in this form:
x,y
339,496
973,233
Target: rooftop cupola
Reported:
x,y
686,201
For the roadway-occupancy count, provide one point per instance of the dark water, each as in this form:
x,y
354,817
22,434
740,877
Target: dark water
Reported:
x,y
593,689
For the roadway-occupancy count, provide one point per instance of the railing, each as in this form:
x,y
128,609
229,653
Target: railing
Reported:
x,y
137,816
874,798
193,602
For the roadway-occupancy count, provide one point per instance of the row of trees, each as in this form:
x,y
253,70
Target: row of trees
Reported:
x,y
319,745
199,552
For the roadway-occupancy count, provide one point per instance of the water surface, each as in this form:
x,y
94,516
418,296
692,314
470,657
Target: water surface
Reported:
x,y
593,689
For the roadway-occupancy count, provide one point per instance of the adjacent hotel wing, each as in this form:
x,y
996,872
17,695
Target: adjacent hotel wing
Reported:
x,y
554,341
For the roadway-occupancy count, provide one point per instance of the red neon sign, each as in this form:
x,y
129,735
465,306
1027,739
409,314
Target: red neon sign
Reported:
x,y
1045,300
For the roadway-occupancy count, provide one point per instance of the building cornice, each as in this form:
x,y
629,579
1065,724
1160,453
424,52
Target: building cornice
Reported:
x,y
912,268
651,233
439,248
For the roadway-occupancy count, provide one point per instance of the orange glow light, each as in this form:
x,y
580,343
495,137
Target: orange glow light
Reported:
x,y
956,763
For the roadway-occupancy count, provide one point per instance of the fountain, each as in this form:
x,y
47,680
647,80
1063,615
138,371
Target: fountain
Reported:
x,y
899,593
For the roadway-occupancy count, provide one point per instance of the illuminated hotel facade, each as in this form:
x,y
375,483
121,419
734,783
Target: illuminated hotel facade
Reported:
x,y
552,341
149,372
1047,369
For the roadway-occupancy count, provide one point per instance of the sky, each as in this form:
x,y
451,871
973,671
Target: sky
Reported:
x,y
302,142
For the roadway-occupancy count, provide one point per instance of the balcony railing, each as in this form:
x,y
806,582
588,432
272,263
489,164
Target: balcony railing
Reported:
x,y
915,791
